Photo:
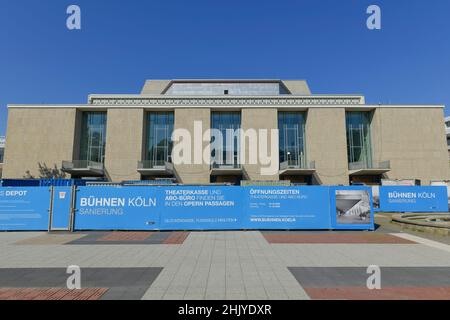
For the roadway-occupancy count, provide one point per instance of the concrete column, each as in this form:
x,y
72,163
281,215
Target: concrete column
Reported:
x,y
260,119
326,144
124,143
184,119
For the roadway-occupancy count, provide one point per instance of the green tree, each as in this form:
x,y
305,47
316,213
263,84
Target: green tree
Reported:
x,y
46,173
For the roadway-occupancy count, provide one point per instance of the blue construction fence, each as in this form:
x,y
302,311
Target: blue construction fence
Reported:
x,y
42,182
206,207
410,199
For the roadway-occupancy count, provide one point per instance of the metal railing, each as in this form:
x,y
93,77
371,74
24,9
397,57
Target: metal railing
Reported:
x,y
82,164
151,164
375,165
297,165
216,165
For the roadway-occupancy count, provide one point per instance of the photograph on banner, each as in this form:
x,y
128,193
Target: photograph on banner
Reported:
x,y
376,197
352,207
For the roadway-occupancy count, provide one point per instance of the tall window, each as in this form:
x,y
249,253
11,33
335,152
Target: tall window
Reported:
x,y
226,152
159,137
358,139
93,136
291,126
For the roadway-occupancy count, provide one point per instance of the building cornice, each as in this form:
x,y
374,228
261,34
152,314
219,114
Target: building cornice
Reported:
x,y
87,107
211,101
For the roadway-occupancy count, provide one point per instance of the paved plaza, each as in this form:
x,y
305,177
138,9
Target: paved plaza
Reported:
x,y
225,265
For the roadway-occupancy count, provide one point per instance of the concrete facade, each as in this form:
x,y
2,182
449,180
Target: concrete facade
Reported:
x,y
124,143
413,140
326,144
44,135
410,138
196,173
255,119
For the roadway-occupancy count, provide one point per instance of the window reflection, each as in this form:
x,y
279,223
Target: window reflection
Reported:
x,y
359,148
291,127
226,152
93,136
159,138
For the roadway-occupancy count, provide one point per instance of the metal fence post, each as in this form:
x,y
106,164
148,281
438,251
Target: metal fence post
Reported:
x,y
73,196
50,210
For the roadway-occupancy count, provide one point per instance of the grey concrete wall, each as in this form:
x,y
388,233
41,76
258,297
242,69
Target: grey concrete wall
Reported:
x,y
414,141
44,135
184,119
259,119
124,143
297,87
326,144
154,86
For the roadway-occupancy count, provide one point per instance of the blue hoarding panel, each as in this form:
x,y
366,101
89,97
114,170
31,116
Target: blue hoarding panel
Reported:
x,y
413,199
222,208
351,208
24,209
286,208
195,208
201,208
122,208
61,208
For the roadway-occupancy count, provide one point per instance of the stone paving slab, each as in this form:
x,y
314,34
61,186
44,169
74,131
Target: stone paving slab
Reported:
x,y
225,265
122,283
12,237
360,237
125,236
357,277
219,264
386,293
51,294
396,283
427,242
50,239
130,238
361,255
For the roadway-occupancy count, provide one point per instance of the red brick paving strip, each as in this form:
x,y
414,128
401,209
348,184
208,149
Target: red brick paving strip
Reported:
x,y
176,238
386,293
125,236
51,294
375,238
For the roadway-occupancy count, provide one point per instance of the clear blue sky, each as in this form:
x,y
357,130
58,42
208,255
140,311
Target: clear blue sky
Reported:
x,y
122,43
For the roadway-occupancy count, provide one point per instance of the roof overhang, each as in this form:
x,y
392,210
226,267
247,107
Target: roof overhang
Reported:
x,y
226,171
368,172
86,172
83,168
155,171
297,172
